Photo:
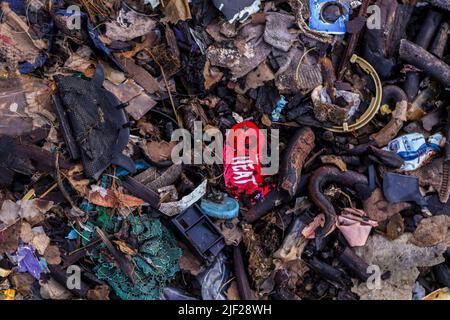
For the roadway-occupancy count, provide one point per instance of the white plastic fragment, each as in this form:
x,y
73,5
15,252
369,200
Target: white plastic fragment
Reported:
x,y
173,208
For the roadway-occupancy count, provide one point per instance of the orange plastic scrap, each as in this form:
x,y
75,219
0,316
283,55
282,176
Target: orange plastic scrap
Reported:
x,y
10,294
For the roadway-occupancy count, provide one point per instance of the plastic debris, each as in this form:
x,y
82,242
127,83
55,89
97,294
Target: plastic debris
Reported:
x,y
27,261
237,11
226,208
415,150
242,165
200,232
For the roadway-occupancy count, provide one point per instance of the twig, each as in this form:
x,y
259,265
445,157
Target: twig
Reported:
x,y
177,116
63,190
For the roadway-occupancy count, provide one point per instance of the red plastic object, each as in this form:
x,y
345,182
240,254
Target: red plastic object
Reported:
x,y
242,154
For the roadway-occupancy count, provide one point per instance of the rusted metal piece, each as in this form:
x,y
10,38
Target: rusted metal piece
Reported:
x,y
354,263
444,190
245,291
439,43
318,180
423,39
422,59
328,75
273,199
352,43
298,149
391,129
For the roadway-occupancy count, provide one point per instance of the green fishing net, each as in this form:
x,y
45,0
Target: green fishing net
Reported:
x,y
154,266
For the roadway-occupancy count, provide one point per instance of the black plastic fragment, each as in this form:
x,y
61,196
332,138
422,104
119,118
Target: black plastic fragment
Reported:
x,y
401,188
200,233
99,128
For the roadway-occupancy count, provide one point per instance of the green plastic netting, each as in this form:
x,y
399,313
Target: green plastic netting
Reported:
x,y
155,265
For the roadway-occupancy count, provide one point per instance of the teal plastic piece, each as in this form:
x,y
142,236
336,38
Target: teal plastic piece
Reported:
x,y
139,165
227,209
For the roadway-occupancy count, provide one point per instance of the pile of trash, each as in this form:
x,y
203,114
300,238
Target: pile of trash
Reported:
x,y
224,150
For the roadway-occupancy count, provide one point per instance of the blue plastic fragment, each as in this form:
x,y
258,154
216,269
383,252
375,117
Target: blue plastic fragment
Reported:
x,y
86,206
227,209
139,164
317,22
276,113
105,181
43,265
72,235
27,261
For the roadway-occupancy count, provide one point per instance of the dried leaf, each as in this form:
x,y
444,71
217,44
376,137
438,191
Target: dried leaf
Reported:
x,y
212,75
52,255
54,291
440,294
80,185
390,131
190,263
129,25
160,151
32,210
431,231
9,239
9,212
266,120
124,247
101,292
378,209
233,292
26,234
176,10
402,259
395,227
260,265
231,231
112,199
257,77
22,282
40,242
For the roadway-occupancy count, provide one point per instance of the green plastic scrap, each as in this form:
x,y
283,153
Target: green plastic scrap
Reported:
x,y
103,218
155,265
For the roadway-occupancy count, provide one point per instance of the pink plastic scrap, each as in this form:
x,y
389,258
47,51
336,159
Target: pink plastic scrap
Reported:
x,y
355,226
